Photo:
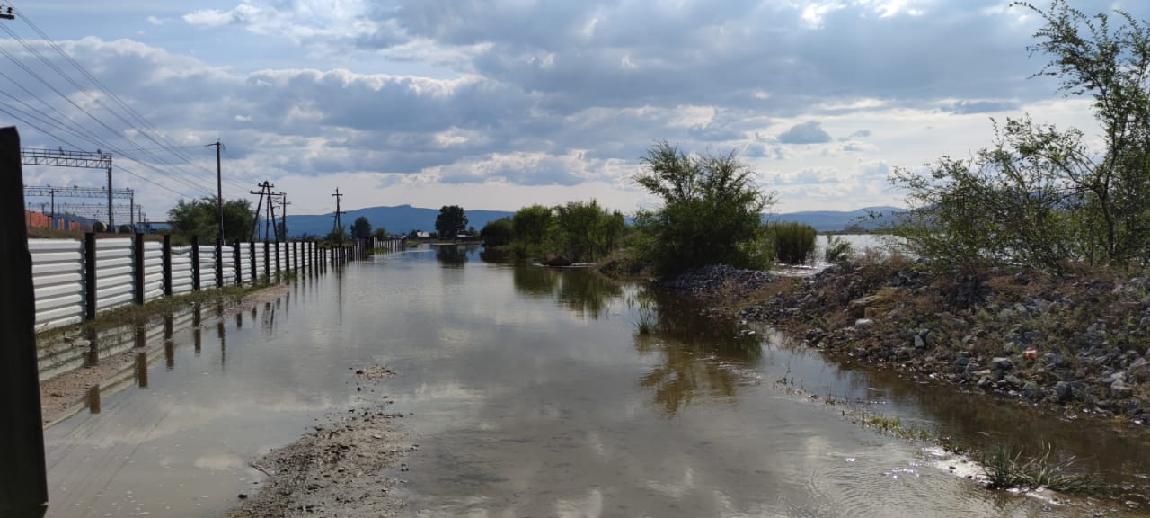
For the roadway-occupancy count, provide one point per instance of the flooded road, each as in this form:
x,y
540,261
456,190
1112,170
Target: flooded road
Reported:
x,y
532,394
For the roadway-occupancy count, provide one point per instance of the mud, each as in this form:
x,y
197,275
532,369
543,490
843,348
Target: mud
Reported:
x,y
344,466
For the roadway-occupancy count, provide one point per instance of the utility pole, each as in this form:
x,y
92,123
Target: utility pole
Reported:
x,y
283,215
338,223
52,196
220,214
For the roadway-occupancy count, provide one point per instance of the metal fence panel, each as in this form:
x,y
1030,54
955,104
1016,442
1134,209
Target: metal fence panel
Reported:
x,y
57,274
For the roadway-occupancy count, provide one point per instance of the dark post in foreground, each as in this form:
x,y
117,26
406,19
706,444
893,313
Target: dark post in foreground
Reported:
x,y
23,476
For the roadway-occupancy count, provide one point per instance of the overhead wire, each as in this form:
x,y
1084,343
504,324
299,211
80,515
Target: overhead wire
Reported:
x,y
78,130
162,141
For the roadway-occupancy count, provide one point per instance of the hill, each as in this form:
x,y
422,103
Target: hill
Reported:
x,y
397,220
834,220
403,218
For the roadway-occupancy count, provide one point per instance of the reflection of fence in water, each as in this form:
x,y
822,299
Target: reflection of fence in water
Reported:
x,y
69,351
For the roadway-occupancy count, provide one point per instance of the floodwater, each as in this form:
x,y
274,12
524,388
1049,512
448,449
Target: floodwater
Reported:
x,y
532,394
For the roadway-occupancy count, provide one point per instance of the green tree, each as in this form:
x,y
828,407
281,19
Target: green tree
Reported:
x,y
381,233
451,221
361,228
531,224
498,232
1040,195
199,218
711,211
583,231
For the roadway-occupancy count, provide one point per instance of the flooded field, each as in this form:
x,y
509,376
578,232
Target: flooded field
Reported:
x,y
531,393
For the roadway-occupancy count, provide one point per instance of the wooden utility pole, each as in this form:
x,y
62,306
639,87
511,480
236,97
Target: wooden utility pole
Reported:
x,y
23,475
220,215
337,226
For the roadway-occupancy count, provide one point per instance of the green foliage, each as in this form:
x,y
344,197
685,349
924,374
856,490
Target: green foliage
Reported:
x,y
380,233
1040,196
450,222
361,228
711,213
794,243
838,250
498,232
530,228
336,236
583,231
199,218
1007,469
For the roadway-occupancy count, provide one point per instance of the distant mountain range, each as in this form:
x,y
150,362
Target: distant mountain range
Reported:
x,y
834,220
404,218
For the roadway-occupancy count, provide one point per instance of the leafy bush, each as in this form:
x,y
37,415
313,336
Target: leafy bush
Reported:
x,y
794,243
838,250
498,232
711,213
582,231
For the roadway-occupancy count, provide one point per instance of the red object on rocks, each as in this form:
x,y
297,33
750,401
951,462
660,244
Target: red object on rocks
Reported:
x,y
1030,354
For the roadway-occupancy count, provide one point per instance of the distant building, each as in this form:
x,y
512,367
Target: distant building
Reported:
x,y
423,235
35,219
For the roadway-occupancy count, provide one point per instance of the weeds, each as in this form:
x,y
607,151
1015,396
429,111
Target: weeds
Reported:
x,y
1007,468
648,318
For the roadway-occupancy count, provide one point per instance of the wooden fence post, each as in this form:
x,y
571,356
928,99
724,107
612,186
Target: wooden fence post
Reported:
x,y
167,255
195,263
89,275
238,262
252,259
138,268
23,475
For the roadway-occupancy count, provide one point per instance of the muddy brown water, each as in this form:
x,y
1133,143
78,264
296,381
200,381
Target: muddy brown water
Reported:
x,y
532,394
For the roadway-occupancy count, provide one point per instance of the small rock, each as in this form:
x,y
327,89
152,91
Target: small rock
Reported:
x,y
1002,364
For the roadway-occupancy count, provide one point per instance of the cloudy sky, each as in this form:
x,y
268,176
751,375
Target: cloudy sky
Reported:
x,y
501,103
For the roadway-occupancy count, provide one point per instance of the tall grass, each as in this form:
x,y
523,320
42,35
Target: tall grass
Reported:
x,y
794,243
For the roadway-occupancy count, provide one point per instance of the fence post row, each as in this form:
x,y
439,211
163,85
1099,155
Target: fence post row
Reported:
x,y
195,263
167,255
138,268
237,262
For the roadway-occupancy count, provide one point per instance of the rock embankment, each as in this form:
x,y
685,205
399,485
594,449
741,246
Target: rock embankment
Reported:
x,y
717,280
1075,343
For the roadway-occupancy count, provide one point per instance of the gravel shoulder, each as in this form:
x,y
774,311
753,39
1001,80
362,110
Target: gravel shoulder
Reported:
x,y
345,466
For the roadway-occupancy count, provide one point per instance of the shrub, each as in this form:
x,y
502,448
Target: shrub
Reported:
x,y
582,231
838,250
793,243
711,212
498,232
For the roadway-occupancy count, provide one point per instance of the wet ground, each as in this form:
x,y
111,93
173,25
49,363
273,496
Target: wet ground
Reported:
x,y
530,393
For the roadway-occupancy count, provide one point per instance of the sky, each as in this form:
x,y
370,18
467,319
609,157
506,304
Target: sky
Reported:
x,y
497,104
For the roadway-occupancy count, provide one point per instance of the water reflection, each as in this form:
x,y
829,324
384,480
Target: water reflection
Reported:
x,y
496,255
452,255
535,281
588,293
697,357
